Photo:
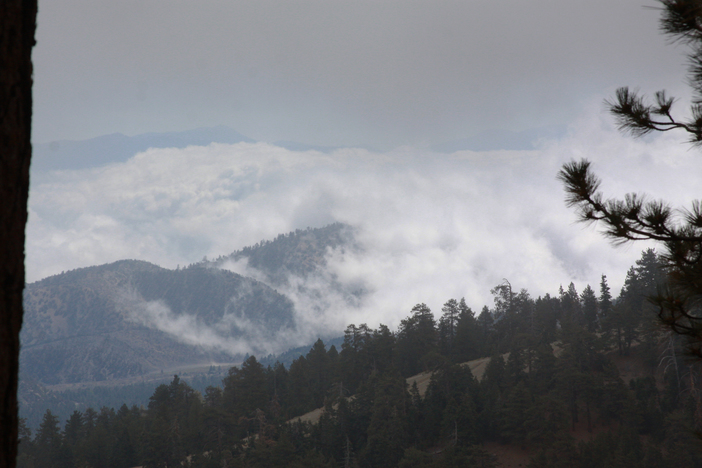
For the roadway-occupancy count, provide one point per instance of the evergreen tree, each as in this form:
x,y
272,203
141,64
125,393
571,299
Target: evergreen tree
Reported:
x,y
300,399
545,319
588,301
245,389
319,372
605,299
450,405
172,424
514,414
486,327
277,378
354,357
25,448
543,369
380,349
492,387
468,344
124,448
50,450
635,218
416,340
73,432
571,311
505,312
448,326
387,430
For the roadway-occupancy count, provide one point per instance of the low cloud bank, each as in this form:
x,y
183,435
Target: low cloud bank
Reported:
x,y
234,333
430,226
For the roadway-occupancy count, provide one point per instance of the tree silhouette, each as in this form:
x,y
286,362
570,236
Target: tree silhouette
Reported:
x,y
17,24
635,217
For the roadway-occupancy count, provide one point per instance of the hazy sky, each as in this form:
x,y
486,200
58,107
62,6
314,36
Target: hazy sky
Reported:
x,y
395,75
380,73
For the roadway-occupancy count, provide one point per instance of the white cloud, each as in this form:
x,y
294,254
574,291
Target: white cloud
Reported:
x,y
433,226
233,333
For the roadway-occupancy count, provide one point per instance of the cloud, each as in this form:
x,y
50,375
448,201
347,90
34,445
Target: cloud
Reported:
x,y
431,226
233,333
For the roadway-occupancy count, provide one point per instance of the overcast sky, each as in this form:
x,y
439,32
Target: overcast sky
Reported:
x,y
397,76
380,73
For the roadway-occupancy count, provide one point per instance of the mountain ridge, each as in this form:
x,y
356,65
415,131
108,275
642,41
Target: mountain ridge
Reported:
x,y
131,317
99,322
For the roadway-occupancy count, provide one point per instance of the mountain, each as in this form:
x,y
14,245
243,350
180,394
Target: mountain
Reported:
x,y
116,147
301,253
111,333
131,318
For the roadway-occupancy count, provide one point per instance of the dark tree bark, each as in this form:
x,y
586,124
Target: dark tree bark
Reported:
x,y
17,26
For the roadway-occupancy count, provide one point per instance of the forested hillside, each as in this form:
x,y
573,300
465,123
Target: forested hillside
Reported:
x,y
296,254
559,386
96,335
132,318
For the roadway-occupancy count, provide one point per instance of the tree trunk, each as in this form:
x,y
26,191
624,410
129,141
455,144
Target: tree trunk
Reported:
x,y
17,26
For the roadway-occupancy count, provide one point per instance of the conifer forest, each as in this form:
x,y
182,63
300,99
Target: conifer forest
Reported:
x,y
581,379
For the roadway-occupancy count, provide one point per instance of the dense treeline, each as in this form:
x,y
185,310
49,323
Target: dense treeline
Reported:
x,y
551,378
63,403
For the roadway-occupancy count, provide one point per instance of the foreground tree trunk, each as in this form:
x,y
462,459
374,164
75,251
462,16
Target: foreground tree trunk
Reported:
x,y
17,26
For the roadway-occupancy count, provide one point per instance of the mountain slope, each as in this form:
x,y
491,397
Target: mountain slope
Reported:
x,y
300,253
131,317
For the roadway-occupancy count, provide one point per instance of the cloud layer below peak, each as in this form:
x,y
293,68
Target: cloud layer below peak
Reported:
x,y
432,226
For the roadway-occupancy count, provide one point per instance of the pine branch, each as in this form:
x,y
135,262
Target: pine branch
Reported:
x,y
633,218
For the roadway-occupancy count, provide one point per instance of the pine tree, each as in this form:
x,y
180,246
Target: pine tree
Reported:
x,y
605,297
588,300
299,399
486,327
514,414
25,449
605,301
50,449
635,218
448,325
245,389
354,357
467,342
387,432
380,349
319,372
416,340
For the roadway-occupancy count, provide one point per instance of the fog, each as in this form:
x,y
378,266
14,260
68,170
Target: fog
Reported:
x,y
431,226
232,333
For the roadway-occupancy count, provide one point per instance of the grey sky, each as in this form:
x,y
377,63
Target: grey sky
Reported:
x,y
383,73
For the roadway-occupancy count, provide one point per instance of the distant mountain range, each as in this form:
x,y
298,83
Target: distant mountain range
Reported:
x,y
116,147
131,318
